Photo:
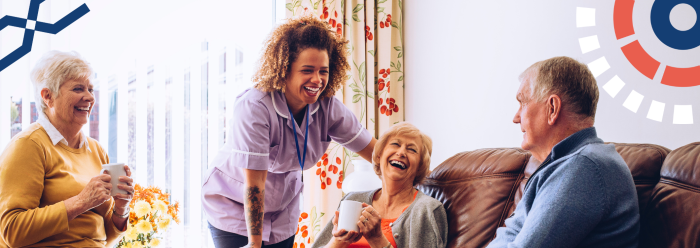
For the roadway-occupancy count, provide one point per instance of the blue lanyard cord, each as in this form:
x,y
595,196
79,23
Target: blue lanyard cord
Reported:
x,y
306,136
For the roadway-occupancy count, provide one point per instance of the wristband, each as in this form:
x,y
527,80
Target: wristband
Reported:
x,y
125,215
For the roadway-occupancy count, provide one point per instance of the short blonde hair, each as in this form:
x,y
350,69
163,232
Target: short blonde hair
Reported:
x,y
54,69
405,129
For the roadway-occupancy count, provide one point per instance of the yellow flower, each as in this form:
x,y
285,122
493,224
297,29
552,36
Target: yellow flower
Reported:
x,y
142,208
160,206
131,233
144,227
128,245
163,224
154,242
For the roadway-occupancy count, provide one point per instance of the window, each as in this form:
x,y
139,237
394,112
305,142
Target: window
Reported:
x,y
163,99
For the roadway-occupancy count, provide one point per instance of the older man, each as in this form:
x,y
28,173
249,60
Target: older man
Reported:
x,y
583,194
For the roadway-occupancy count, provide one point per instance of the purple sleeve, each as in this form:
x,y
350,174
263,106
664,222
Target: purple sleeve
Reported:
x,y
344,127
249,146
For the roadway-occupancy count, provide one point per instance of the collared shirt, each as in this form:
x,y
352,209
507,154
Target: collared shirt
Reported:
x,y
55,135
262,139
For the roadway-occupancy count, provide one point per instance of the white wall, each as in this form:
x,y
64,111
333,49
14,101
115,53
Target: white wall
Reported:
x,y
463,59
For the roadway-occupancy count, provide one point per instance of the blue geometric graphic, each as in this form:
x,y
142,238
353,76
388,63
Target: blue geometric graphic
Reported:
x,y
39,26
664,30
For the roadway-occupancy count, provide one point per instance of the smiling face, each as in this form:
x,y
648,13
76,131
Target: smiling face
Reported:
x,y
308,77
400,159
532,117
71,109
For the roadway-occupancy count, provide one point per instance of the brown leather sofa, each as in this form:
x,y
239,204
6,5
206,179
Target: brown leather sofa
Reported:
x,y
481,188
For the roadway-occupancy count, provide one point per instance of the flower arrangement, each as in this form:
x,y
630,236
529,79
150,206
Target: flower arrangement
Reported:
x,y
150,216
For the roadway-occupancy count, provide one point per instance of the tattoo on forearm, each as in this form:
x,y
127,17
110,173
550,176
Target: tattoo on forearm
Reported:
x,y
254,209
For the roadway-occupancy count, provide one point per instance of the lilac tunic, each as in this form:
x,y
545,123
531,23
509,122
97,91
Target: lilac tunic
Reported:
x,y
261,139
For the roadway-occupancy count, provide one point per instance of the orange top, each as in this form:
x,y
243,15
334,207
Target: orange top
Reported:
x,y
386,229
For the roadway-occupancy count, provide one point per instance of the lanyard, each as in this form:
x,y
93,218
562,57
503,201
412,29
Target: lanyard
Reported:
x,y
306,136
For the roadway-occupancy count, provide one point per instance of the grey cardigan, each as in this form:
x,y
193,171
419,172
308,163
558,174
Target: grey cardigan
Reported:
x,y
422,225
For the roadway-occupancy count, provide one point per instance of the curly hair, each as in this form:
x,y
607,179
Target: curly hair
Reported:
x,y
285,43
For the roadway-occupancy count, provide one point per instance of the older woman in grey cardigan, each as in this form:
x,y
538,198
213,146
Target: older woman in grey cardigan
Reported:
x,y
397,214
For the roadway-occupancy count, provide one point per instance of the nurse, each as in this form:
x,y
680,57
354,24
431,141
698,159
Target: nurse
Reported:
x,y
251,194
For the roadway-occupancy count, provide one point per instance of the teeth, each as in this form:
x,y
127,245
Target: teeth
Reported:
x,y
83,109
312,89
398,164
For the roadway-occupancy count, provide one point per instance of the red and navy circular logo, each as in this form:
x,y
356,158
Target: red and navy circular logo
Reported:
x,y
648,51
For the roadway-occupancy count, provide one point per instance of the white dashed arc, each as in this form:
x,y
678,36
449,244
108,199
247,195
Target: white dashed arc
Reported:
x,y
586,17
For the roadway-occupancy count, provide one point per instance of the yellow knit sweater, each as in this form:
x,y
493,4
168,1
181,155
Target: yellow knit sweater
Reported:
x,y
36,178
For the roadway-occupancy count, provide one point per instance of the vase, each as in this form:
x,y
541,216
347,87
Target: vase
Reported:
x,y
362,179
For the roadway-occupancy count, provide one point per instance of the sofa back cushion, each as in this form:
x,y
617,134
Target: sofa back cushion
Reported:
x,y
672,215
644,161
477,189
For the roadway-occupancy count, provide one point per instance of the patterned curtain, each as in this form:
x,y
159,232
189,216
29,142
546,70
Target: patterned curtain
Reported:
x,y
375,31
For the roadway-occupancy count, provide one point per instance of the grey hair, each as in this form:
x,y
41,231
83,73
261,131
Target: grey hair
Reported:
x,y
568,78
54,69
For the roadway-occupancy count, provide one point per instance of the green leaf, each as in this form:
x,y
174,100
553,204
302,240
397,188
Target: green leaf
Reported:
x,y
358,7
396,123
371,52
357,90
400,55
371,119
398,65
316,4
356,98
313,214
380,9
400,5
381,1
394,24
363,71
297,3
400,78
397,48
354,17
392,64
322,214
290,6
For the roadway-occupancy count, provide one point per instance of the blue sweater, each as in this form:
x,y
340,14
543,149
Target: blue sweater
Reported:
x,y
583,195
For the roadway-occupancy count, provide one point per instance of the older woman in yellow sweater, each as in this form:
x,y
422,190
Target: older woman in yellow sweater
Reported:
x,y
51,189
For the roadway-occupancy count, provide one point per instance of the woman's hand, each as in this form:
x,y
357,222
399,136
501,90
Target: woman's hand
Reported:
x,y
370,225
96,192
121,201
342,238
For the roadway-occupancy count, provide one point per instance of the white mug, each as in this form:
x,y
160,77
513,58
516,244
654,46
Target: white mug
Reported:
x,y
350,212
115,170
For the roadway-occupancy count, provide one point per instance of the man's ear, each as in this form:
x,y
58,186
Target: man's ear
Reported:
x,y
47,97
553,109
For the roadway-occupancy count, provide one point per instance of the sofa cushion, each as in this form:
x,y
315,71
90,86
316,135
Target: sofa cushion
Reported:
x,y
672,215
477,189
644,161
